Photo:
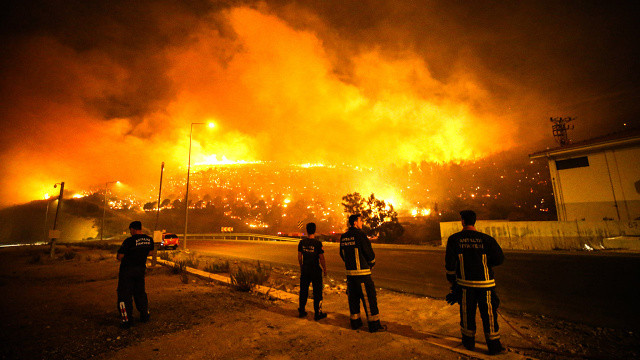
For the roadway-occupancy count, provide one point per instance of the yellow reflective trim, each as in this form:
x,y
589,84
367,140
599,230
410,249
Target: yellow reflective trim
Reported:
x,y
359,272
374,317
365,300
461,259
355,316
469,333
452,272
464,309
490,310
492,336
357,259
486,268
476,284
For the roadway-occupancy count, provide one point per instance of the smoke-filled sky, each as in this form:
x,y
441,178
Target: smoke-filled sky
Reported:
x,y
99,91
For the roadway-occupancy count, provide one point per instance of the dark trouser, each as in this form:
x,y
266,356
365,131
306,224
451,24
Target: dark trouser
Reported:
x,y
131,284
487,302
316,280
361,288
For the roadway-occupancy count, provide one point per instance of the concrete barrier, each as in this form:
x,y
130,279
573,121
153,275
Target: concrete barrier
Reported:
x,y
622,242
552,235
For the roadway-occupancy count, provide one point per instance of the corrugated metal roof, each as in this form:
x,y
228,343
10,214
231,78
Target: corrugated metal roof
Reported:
x,y
606,141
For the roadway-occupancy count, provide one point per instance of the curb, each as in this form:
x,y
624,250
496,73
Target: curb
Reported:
x,y
224,280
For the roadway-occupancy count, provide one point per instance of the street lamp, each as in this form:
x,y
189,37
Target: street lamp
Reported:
x,y
104,205
46,213
52,247
186,197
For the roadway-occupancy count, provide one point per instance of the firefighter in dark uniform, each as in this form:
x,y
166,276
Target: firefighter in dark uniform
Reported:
x,y
311,257
133,259
359,259
469,261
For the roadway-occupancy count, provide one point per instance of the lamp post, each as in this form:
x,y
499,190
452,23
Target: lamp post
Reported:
x,y
52,247
155,227
104,205
186,197
46,213
46,217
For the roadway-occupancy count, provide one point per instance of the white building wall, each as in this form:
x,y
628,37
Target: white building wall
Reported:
x,y
627,163
607,189
550,235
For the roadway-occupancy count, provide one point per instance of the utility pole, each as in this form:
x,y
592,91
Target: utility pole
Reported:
x,y
52,248
159,196
154,253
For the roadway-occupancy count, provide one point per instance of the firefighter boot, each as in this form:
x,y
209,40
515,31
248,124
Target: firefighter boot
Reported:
x,y
495,347
469,342
145,318
356,324
375,326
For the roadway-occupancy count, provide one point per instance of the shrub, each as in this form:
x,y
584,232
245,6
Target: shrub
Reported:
x,y
164,255
69,254
246,279
192,261
217,267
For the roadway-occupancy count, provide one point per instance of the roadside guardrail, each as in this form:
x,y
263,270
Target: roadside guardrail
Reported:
x,y
237,236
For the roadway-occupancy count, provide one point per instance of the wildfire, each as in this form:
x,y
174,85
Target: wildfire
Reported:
x,y
212,160
274,88
420,212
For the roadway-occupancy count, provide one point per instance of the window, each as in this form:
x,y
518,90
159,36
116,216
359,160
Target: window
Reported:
x,y
572,163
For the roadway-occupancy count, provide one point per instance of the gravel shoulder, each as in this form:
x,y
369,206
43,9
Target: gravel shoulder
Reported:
x,y
66,309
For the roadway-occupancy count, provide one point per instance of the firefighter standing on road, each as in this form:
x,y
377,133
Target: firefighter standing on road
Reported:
x,y
469,261
359,259
311,257
133,263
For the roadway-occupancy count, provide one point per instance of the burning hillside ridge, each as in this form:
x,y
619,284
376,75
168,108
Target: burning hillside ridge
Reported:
x,y
87,112
271,197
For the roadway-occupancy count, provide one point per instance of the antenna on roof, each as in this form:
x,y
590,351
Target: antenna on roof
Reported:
x,y
560,127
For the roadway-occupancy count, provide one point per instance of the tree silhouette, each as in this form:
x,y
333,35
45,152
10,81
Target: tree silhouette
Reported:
x,y
379,217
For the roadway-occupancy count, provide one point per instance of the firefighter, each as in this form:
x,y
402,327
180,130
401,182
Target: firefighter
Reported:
x,y
311,258
469,261
133,263
359,259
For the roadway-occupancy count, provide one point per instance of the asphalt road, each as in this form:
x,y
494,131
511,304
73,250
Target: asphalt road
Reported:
x,y
600,289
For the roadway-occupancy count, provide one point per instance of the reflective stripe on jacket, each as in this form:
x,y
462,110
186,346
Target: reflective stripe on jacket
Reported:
x,y
356,252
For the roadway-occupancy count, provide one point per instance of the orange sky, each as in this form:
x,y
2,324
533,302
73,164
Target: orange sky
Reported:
x,y
281,83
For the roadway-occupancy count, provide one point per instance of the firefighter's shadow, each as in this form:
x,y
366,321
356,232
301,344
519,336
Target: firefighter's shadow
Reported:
x,y
342,321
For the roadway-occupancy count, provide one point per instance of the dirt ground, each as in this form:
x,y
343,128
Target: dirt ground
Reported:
x,y
66,309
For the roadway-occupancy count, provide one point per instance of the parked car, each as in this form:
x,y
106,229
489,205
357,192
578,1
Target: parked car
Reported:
x,y
169,240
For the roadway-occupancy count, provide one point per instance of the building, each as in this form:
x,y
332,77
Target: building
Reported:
x,y
596,179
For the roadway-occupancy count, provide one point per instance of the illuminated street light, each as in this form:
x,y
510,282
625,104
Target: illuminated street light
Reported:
x,y
104,205
186,197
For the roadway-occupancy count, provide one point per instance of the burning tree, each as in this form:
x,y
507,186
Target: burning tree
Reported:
x,y
378,216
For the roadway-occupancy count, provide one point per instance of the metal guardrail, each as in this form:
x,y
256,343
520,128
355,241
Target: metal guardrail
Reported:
x,y
237,236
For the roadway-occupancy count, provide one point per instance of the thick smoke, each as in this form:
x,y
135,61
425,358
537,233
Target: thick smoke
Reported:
x,y
93,94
